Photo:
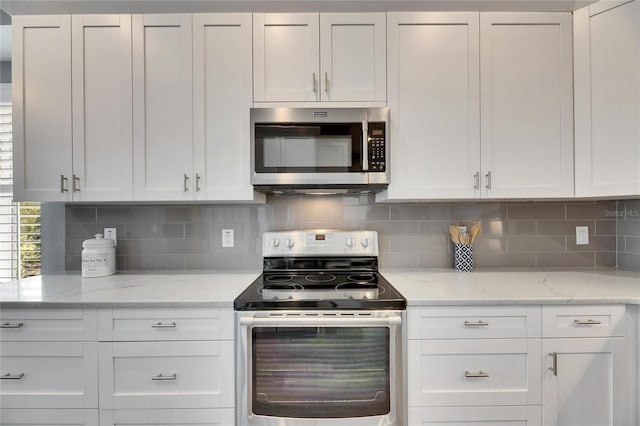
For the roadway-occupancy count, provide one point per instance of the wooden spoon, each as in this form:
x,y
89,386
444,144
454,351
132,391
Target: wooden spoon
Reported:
x,y
476,230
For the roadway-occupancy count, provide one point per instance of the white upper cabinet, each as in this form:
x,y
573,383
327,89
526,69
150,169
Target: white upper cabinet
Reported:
x,y
434,105
102,121
41,69
526,105
353,57
222,98
481,106
162,107
607,85
314,57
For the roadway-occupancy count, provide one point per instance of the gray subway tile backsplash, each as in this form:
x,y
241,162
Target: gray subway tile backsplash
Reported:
x,y
628,234
411,235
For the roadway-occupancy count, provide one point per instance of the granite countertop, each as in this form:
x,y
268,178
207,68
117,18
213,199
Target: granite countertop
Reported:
x,y
420,287
135,289
424,287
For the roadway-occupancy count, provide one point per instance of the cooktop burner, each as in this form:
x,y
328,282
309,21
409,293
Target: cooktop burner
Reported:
x,y
320,271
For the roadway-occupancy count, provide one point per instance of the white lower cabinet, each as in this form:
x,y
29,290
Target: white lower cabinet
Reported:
x,y
210,417
475,416
17,417
474,372
586,379
535,365
161,366
166,374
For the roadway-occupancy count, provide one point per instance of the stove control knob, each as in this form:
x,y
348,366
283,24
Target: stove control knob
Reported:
x,y
275,243
365,242
349,242
288,242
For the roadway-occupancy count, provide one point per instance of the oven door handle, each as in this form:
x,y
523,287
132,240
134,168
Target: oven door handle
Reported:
x,y
313,321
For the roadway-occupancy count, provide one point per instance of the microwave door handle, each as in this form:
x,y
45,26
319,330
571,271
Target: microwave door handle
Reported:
x,y
365,147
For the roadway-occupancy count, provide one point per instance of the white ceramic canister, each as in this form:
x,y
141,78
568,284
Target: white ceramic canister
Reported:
x,y
98,257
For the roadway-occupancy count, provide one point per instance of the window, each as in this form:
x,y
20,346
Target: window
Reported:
x,y
20,254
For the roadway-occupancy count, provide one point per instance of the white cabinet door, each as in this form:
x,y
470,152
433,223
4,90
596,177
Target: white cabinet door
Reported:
x,y
607,85
49,375
434,105
589,386
285,56
48,417
41,69
527,105
162,107
222,96
476,416
102,121
200,417
183,374
473,372
353,56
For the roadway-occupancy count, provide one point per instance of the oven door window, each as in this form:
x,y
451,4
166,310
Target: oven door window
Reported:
x,y
308,148
320,372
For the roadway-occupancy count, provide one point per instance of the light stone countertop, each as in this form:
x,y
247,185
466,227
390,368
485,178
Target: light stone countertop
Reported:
x,y
134,289
421,287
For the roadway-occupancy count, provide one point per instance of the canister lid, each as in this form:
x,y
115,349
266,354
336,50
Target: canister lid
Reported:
x,y
98,242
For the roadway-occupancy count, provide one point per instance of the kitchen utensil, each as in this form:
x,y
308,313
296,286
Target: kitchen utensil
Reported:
x,y
476,230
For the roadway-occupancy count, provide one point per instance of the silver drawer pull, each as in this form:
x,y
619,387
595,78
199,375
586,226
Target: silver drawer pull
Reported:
x,y
164,325
161,377
476,323
478,374
587,322
12,325
10,376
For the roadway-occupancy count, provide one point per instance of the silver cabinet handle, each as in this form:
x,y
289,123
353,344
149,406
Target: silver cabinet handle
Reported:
x,y
186,182
63,184
314,82
75,183
478,374
161,377
587,322
554,366
12,325
164,325
197,182
326,82
488,179
476,323
10,376
476,180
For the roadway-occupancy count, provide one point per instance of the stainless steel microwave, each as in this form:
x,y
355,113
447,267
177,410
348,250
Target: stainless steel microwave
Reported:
x,y
320,149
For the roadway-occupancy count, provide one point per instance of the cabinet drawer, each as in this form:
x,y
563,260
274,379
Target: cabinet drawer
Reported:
x,y
476,416
166,375
482,322
584,321
49,417
48,375
25,325
165,324
474,372
202,417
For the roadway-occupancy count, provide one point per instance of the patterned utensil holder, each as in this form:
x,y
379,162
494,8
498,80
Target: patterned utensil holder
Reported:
x,y
463,257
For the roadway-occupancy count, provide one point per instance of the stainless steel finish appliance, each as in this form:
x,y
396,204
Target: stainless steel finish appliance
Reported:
x,y
307,149
319,335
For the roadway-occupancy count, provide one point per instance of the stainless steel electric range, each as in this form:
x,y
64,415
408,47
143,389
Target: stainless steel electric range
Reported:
x,y
320,335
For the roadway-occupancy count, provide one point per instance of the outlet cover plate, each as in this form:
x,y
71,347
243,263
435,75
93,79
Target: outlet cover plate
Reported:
x,y
582,235
227,238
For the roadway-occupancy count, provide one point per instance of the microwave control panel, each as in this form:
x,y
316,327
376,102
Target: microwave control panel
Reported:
x,y
376,141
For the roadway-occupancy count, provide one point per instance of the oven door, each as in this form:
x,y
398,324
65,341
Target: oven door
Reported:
x,y
317,368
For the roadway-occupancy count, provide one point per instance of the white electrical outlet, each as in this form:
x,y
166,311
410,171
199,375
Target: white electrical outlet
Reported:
x,y
582,235
111,233
227,238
